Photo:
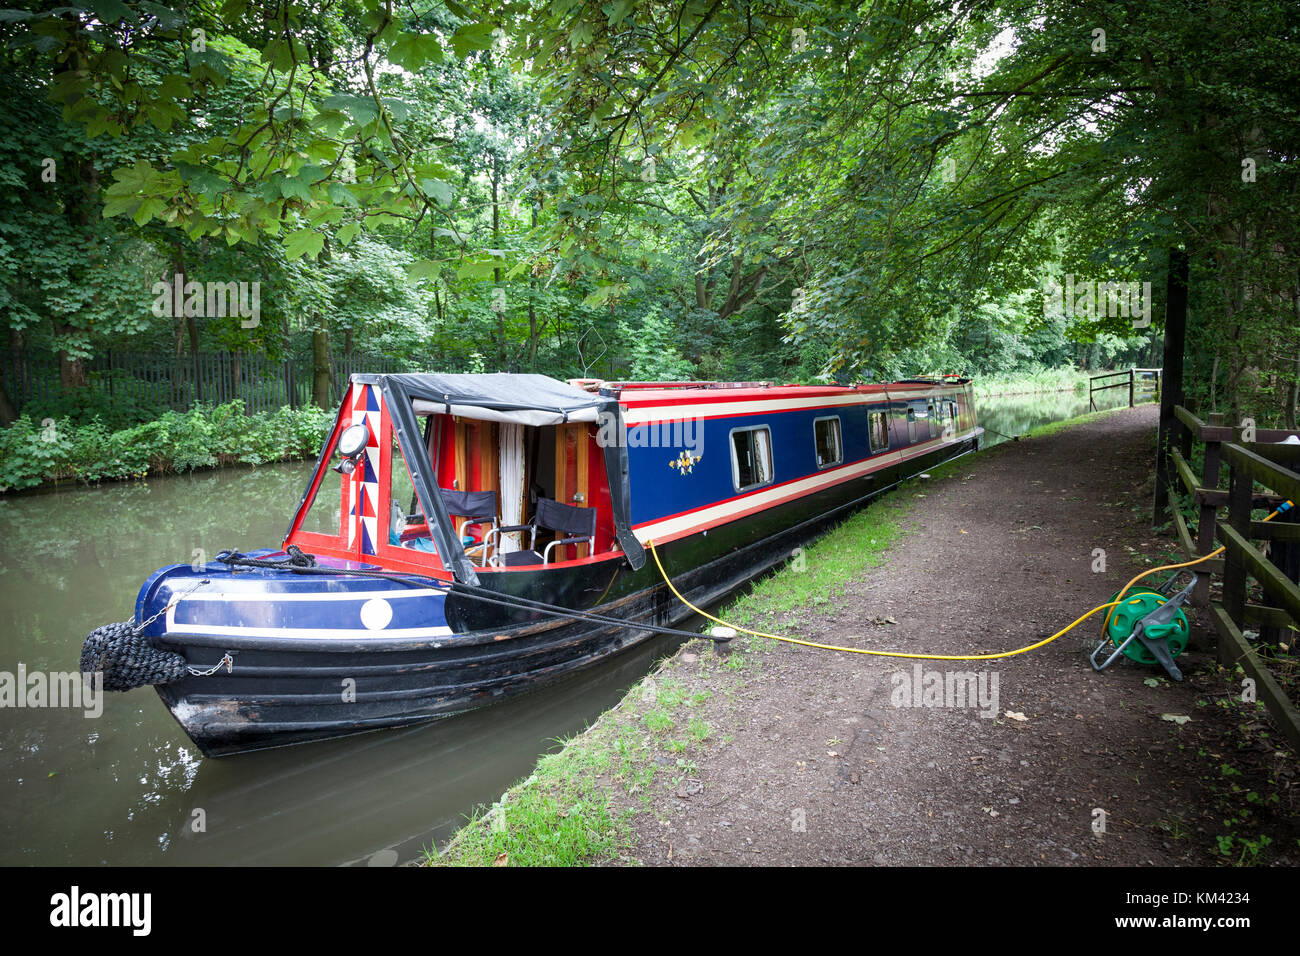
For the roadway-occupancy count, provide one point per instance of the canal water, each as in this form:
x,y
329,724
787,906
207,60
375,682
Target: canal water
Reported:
x,y
1016,414
126,787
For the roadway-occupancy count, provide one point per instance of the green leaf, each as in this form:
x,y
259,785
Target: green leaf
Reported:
x,y
208,185
349,232
330,121
617,12
477,270
413,50
362,109
109,12
148,209
423,269
304,242
291,187
598,296
439,190
340,195
471,36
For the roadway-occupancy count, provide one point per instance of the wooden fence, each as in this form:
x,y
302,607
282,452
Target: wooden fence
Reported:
x,y
1261,474
178,382
1133,375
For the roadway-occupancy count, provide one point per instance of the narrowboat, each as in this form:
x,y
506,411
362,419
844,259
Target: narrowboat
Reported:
x,y
465,538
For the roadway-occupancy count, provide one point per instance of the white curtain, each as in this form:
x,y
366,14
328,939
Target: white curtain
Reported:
x,y
511,442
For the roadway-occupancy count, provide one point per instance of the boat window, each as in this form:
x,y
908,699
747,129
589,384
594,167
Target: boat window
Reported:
x,y
406,526
936,425
916,412
879,432
826,436
751,457
323,515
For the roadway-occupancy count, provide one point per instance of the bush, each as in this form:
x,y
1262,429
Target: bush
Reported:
x,y
205,436
116,410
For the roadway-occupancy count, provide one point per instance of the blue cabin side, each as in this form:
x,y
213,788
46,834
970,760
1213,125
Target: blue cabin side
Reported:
x,y
679,467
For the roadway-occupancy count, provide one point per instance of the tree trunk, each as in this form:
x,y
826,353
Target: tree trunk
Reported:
x,y
192,329
1292,397
320,361
533,333
496,273
7,410
289,396
72,370
1171,378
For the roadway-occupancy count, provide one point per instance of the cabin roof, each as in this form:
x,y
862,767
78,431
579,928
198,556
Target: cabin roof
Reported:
x,y
640,395
498,396
540,400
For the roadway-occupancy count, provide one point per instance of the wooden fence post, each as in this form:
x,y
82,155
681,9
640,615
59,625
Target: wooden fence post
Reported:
x,y
1240,488
1208,512
1172,393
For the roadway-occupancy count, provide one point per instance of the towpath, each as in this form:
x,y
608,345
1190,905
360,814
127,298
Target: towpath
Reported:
x,y
812,757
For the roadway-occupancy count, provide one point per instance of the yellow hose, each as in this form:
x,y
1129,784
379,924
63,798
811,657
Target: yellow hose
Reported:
x,y
942,657
858,650
1186,564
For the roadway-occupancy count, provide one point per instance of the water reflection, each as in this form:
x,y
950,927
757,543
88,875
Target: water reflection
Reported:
x,y
1016,414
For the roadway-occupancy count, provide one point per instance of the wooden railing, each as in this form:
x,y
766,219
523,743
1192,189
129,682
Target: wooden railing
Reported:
x,y
1271,466
1132,376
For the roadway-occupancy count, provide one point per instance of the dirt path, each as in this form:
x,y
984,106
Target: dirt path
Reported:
x,y
810,761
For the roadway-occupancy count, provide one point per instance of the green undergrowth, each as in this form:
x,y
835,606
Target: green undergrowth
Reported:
x,y
652,741
1030,382
50,451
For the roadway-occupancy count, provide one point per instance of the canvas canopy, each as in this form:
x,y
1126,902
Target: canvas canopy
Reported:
x,y
517,399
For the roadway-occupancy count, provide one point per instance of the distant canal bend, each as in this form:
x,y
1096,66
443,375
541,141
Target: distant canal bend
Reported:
x,y
127,788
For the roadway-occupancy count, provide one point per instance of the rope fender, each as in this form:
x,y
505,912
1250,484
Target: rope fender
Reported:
x,y
128,659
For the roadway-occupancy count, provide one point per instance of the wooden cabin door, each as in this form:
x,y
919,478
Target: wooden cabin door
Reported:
x,y
477,462
571,471
476,456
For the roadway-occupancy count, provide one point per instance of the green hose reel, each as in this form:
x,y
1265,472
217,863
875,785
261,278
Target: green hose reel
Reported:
x,y
1147,627
1136,606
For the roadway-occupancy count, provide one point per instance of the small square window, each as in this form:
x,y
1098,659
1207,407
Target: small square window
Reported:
x,y
879,432
751,457
826,437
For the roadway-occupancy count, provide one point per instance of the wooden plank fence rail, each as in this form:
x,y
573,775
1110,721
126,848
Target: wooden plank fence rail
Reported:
x,y
1261,475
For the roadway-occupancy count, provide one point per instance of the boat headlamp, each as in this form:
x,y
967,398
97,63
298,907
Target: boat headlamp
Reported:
x,y
351,446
